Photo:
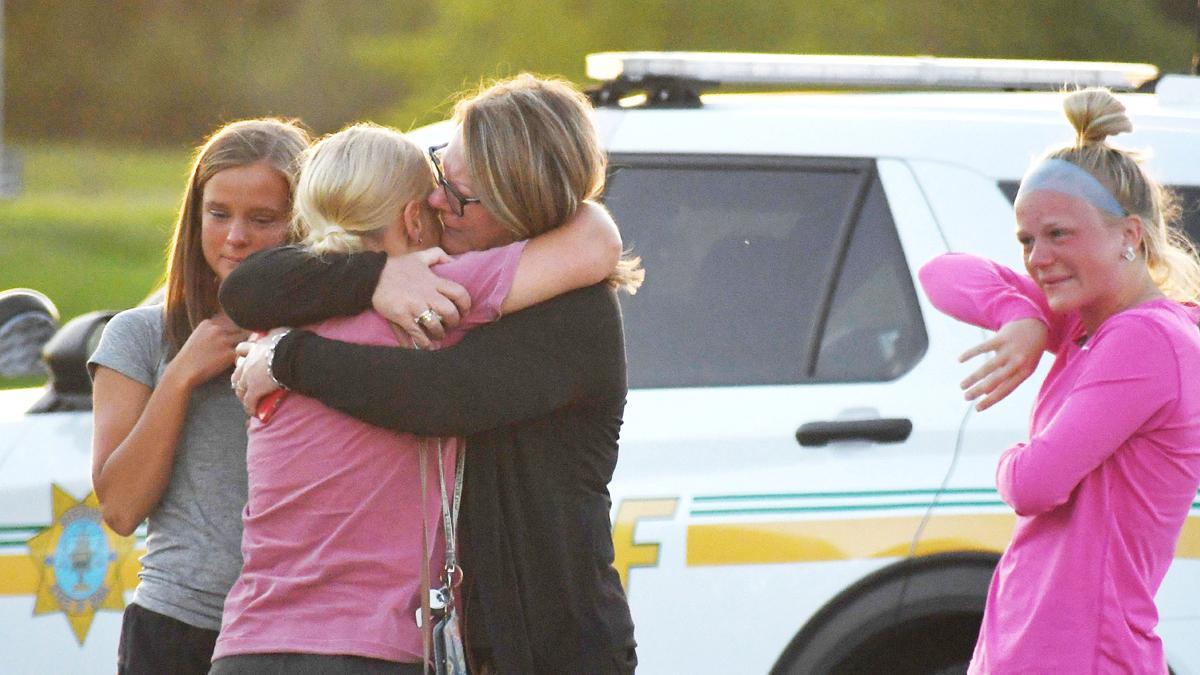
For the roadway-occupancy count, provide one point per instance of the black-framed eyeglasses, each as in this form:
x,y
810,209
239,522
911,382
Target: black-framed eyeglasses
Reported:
x,y
456,200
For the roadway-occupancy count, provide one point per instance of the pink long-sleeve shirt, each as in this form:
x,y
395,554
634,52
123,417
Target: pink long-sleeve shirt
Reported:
x,y
1101,488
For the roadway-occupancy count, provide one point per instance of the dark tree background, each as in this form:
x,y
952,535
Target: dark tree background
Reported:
x,y
167,71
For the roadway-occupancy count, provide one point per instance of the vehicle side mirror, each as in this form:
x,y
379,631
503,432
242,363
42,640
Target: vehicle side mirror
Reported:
x,y
27,322
67,353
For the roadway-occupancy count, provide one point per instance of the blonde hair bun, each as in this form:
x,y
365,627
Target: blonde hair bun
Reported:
x,y
327,237
356,183
1170,257
1095,114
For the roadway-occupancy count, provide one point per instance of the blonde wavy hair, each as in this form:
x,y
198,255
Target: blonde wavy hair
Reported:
x,y
1170,256
534,156
356,183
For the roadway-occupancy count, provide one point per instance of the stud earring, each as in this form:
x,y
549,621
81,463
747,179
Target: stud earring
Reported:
x,y
1129,255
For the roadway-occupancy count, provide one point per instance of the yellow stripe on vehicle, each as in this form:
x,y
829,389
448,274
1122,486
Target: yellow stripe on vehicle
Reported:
x,y
885,537
1189,539
758,543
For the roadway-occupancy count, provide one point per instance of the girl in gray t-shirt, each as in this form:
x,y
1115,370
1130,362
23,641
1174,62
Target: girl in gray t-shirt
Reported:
x,y
169,438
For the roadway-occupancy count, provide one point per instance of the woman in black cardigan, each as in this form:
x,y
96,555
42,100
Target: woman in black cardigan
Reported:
x,y
539,395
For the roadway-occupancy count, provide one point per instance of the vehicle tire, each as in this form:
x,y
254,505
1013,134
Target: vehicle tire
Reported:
x,y
918,617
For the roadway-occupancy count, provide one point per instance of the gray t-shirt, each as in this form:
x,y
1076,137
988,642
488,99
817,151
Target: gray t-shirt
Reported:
x,y
194,535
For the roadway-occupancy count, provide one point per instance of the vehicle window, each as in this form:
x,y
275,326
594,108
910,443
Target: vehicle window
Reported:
x,y
875,330
1009,188
738,255
1189,205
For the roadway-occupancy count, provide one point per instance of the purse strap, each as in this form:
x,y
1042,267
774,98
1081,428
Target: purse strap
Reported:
x,y
426,615
450,511
450,525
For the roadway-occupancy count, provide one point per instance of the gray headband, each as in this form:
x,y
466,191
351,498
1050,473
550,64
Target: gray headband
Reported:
x,y
1059,175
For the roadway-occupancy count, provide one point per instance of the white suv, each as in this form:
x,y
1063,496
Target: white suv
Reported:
x,y
802,488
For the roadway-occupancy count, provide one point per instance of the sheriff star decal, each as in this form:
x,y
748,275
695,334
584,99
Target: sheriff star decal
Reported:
x,y
79,560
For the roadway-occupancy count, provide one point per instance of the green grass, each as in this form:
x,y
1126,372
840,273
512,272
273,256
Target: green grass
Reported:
x,y
91,226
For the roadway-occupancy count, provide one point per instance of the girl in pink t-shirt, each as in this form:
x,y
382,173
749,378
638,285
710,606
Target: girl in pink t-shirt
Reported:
x,y
1106,480
334,523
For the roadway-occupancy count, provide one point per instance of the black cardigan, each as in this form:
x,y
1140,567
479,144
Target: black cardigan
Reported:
x,y
539,396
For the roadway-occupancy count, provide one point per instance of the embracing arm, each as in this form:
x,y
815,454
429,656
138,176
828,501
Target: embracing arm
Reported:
x,y
291,286
582,252
566,351
1129,378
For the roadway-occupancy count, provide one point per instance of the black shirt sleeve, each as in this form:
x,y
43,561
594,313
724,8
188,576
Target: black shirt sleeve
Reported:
x,y
291,286
566,351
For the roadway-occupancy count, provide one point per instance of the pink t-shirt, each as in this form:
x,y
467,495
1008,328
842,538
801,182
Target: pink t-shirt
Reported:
x,y
332,528
1101,489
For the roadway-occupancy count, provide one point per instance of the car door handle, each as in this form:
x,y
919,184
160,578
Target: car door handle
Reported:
x,y
879,430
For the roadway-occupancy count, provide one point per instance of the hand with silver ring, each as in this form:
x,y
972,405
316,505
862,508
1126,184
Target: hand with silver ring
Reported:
x,y
407,288
252,378
428,316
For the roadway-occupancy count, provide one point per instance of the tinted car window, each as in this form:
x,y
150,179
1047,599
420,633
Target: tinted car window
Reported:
x,y
739,253
1189,205
875,330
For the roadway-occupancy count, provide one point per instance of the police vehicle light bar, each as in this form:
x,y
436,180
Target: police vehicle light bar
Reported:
x,y
865,71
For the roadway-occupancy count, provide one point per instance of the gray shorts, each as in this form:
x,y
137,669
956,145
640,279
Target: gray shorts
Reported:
x,y
309,664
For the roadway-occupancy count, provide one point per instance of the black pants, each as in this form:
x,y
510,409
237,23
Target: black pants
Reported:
x,y
152,644
310,664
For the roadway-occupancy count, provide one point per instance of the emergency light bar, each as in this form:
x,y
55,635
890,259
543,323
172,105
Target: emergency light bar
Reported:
x,y
864,71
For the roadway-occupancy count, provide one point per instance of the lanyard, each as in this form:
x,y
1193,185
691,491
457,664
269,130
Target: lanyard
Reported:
x,y
450,513
450,525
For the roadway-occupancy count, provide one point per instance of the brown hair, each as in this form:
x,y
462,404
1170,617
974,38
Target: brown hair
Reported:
x,y
1170,256
191,285
534,156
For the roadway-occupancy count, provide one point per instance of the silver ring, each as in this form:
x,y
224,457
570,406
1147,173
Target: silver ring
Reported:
x,y
428,316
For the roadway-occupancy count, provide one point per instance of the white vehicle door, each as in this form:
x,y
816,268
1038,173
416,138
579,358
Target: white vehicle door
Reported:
x,y
789,425
64,577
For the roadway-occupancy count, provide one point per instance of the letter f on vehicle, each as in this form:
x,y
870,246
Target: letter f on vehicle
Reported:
x,y
628,553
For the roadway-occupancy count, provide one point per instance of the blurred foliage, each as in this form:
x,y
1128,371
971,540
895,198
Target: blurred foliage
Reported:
x,y
171,70
163,71
91,229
